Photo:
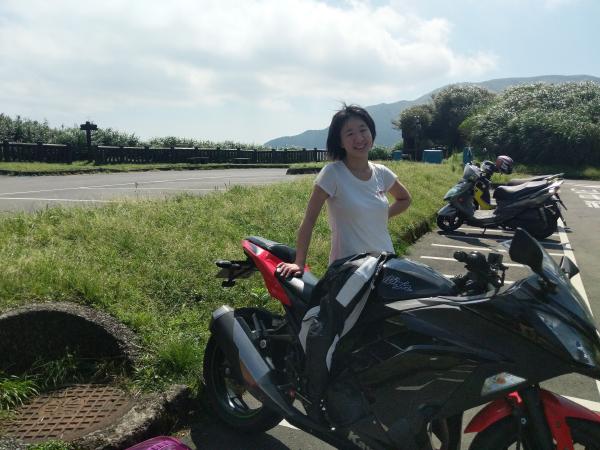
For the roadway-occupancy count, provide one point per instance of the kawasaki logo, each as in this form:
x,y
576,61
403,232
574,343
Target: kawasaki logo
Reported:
x,y
356,441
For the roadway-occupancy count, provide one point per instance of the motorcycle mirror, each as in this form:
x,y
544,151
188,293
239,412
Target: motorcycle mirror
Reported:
x,y
524,249
568,267
494,259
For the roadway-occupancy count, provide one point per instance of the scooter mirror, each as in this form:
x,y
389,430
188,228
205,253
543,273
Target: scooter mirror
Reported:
x,y
525,249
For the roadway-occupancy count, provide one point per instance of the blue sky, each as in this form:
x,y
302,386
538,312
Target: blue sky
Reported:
x,y
253,70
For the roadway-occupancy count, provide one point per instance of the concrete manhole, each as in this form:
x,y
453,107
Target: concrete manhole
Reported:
x,y
69,413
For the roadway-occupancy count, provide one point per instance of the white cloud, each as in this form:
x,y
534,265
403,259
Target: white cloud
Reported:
x,y
69,54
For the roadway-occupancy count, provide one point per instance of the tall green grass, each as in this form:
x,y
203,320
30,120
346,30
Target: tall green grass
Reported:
x,y
151,263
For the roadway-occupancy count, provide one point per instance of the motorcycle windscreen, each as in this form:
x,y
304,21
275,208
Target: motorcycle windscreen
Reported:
x,y
460,188
565,294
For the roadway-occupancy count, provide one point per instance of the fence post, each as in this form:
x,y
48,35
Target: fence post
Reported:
x,y
4,152
69,153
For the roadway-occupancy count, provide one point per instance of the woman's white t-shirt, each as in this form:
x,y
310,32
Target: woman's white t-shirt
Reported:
x,y
358,210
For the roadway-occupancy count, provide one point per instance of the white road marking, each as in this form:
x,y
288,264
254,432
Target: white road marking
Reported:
x,y
447,275
576,280
285,423
492,230
137,184
499,239
483,249
592,203
440,258
589,404
590,186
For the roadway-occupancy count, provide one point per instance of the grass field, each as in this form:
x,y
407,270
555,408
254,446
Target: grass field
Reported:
x,y
151,263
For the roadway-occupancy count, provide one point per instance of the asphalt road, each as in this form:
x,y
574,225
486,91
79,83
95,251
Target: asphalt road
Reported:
x,y
38,192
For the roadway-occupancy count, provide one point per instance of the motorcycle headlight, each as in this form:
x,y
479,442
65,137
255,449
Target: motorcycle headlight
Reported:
x,y
576,345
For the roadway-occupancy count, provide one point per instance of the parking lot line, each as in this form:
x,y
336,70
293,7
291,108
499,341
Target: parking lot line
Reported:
x,y
441,258
483,249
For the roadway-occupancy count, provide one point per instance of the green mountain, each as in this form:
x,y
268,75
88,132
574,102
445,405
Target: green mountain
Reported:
x,y
384,113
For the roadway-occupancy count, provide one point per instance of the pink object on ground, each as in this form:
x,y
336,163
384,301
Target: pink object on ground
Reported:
x,y
160,443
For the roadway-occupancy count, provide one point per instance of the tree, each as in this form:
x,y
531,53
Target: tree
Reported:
x,y
451,106
414,123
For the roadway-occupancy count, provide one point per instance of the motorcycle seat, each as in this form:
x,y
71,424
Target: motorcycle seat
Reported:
x,y
282,251
299,287
505,193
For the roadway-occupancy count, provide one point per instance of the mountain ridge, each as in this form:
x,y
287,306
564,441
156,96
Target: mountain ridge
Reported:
x,y
384,113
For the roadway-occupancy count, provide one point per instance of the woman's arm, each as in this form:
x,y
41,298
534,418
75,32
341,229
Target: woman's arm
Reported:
x,y
315,204
402,199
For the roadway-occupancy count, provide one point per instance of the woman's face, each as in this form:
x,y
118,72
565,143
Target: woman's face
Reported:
x,y
356,138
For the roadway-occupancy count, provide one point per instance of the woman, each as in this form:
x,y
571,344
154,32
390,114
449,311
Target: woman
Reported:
x,y
355,190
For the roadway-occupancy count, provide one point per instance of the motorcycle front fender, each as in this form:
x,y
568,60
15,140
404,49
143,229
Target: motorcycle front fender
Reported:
x,y
447,211
557,410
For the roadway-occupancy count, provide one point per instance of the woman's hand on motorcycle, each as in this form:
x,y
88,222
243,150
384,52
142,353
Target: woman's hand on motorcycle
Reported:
x,y
289,270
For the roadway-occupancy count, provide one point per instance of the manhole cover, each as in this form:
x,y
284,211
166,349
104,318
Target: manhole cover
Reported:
x,y
68,413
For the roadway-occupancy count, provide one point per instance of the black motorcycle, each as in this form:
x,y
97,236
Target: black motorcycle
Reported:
x,y
425,349
533,206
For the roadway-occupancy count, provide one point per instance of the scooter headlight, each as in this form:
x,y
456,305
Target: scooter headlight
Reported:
x,y
579,347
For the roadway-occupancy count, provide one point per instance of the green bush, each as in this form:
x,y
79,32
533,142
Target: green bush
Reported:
x,y
541,124
379,153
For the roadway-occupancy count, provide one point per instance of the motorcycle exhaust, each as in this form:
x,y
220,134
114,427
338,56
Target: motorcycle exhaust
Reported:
x,y
233,336
247,363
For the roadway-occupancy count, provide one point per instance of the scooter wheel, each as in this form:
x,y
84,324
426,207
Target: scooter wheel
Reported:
x,y
449,223
504,435
229,399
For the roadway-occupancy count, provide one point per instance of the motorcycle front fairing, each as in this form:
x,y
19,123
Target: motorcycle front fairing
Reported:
x,y
439,356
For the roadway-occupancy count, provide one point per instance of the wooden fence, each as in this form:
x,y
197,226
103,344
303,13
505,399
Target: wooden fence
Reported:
x,y
57,153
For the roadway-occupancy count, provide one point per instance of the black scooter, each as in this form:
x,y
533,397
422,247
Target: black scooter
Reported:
x,y
424,350
483,185
533,206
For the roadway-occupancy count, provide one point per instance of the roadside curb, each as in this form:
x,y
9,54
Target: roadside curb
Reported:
x,y
301,170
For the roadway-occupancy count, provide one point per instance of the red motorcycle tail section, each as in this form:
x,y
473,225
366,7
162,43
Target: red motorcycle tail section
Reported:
x,y
557,409
266,263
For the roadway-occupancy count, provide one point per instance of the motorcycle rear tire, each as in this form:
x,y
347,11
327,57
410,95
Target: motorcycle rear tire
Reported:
x,y
504,433
224,394
447,223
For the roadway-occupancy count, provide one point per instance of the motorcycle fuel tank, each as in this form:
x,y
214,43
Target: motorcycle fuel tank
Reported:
x,y
403,279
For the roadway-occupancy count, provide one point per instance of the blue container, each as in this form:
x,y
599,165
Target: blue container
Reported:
x,y
467,155
397,155
433,156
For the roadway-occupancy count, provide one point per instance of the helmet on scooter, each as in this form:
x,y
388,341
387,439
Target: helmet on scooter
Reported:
x,y
504,164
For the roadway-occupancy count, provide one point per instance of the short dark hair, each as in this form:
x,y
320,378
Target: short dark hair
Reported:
x,y
334,139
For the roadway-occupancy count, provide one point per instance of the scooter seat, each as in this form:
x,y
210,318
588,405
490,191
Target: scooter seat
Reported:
x,y
505,193
483,214
517,181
